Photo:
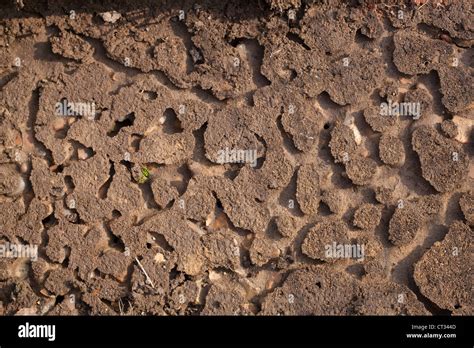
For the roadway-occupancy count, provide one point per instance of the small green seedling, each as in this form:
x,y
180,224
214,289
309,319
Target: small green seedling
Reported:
x,y
145,175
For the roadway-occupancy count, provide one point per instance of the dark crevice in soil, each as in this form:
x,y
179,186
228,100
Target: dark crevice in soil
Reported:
x,y
326,103
261,159
186,175
101,56
205,95
260,298
194,56
362,40
126,122
356,270
323,209
6,78
432,83
114,242
388,46
254,53
68,181
233,170
288,197
161,241
295,38
102,193
135,142
437,34
220,211
297,253
272,230
288,142
147,195
199,152
172,124
33,106
76,145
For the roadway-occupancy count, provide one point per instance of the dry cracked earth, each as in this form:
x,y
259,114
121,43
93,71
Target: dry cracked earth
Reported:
x,y
198,158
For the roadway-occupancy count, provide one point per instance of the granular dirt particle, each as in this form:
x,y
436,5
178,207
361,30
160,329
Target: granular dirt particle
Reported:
x,y
391,150
367,216
322,235
449,129
361,170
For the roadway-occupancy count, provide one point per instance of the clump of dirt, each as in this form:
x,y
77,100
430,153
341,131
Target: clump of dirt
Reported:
x,y
71,46
361,170
317,291
449,129
367,216
236,158
335,201
377,123
416,54
307,189
342,143
441,271
409,218
321,235
286,225
391,150
444,163
262,251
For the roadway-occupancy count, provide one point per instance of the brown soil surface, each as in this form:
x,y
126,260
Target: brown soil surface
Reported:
x,y
184,157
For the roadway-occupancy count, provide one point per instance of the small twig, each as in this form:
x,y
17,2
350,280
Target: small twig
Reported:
x,y
120,304
273,53
146,274
422,5
20,4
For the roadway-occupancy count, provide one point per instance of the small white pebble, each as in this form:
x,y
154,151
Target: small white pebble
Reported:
x,y
111,16
82,154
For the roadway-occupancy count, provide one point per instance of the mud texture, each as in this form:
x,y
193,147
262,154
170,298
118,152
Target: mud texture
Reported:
x,y
202,158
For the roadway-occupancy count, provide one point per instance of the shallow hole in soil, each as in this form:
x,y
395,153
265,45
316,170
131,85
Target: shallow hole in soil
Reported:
x,y
59,299
295,38
49,221
116,214
127,122
161,241
172,124
69,183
